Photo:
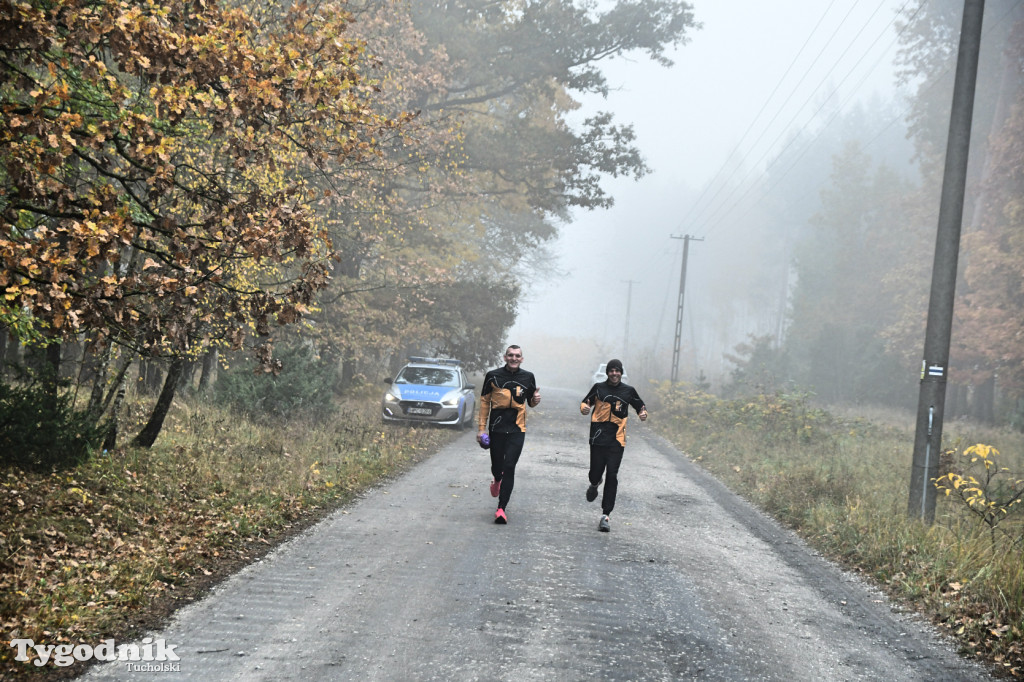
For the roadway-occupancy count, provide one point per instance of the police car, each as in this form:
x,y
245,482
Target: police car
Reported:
x,y
433,390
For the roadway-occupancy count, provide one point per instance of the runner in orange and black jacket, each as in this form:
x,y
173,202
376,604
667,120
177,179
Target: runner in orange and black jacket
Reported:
x,y
610,401
503,399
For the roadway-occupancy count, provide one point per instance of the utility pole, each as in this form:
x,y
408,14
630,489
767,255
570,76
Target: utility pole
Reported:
x,y
935,366
625,336
679,307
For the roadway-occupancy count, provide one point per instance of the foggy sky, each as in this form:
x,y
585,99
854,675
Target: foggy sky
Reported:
x,y
754,72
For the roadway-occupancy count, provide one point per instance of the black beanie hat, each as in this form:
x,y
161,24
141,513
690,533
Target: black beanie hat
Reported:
x,y
613,364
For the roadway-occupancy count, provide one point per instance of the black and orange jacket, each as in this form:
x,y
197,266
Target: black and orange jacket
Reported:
x,y
610,409
503,400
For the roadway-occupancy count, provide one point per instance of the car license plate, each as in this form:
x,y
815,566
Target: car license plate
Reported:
x,y
418,410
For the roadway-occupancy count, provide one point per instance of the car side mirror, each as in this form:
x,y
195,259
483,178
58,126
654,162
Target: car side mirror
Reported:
x,y
471,387
387,381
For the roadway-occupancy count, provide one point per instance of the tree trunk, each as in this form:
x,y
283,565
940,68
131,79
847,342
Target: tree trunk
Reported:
x,y
954,400
116,393
151,430
185,381
73,359
149,375
209,364
11,355
98,370
119,387
51,375
110,440
983,405
348,372
94,361
5,340
34,359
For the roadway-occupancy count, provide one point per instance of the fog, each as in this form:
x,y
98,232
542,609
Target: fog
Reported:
x,y
717,131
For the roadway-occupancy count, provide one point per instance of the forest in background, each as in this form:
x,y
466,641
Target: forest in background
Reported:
x,y
200,191
189,183
856,269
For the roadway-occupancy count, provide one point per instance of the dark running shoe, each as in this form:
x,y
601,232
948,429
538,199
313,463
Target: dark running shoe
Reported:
x,y
604,525
499,516
591,493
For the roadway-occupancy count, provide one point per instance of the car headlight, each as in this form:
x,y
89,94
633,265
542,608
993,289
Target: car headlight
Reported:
x,y
390,397
451,399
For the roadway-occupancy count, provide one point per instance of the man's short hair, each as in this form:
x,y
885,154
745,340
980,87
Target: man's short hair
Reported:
x,y
511,347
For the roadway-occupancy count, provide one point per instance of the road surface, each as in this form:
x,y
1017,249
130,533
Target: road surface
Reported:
x,y
415,582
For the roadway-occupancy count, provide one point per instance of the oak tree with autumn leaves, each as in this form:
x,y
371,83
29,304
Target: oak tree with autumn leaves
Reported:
x,y
158,165
179,176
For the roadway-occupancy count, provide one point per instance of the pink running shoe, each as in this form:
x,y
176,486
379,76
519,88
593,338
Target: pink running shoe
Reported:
x,y
499,516
495,488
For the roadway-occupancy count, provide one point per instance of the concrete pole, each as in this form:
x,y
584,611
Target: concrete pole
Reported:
x,y
935,366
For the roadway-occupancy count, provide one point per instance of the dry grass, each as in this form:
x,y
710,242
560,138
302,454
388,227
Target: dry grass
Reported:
x,y
113,546
843,484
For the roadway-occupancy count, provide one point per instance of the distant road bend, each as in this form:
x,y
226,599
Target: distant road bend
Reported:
x,y
415,582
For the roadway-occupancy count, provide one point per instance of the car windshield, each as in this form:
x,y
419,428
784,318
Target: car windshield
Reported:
x,y
428,376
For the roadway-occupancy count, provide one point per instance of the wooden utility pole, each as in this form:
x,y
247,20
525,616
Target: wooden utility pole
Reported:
x,y
935,366
679,307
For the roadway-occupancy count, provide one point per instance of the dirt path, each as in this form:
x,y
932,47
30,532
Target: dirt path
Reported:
x,y
414,582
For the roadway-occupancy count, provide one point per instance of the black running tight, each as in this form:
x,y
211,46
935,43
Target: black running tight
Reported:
x,y
605,461
505,451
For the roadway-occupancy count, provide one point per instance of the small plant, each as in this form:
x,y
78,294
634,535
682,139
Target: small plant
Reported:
x,y
988,491
39,430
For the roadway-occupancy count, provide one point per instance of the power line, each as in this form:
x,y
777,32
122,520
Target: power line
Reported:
x,y
752,168
685,220
788,97
808,144
766,191
702,212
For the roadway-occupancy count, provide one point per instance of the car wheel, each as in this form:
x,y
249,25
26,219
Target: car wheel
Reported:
x,y
467,417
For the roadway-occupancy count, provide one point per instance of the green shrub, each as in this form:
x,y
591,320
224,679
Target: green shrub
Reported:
x,y
40,432
305,383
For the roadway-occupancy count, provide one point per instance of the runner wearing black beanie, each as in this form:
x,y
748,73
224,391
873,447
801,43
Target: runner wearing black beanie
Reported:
x,y
610,401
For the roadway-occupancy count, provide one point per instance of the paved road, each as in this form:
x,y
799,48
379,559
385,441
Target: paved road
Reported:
x,y
415,582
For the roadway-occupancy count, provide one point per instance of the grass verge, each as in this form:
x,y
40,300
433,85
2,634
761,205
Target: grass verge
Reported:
x,y
843,485
112,547
109,549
